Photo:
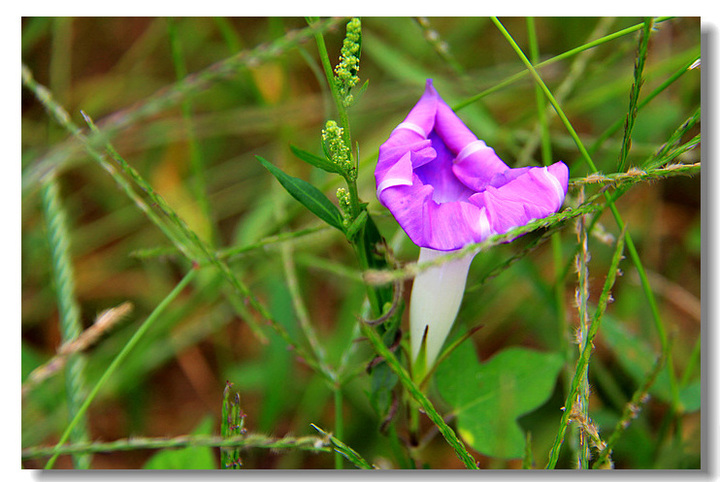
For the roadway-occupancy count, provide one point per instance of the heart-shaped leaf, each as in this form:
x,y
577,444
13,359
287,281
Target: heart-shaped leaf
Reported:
x,y
489,397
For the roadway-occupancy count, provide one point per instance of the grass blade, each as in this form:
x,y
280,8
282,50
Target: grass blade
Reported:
x,y
149,321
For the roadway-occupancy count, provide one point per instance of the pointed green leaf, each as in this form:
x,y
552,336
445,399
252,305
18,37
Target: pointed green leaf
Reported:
x,y
317,161
489,397
308,195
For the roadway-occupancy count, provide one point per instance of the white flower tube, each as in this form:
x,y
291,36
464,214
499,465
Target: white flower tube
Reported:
x,y
434,303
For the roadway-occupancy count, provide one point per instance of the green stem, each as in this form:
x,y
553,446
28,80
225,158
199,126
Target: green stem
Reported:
x,y
586,351
582,402
634,94
344,121
342,449
119,359
660,88
338,424
312,444
330,76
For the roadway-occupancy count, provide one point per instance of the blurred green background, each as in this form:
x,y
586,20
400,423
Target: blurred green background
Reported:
x,y
173,381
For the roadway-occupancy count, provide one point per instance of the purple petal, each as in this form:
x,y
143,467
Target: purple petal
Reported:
x,y
421,118
476,165
407,204
447,189
535,193
452,225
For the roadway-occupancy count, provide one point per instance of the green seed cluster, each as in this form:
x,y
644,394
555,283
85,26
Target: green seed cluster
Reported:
x,y
336,149
345,204
347,69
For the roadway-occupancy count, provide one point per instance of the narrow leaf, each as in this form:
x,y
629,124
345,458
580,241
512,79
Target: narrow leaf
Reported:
x,y
307,194
344,449
317,161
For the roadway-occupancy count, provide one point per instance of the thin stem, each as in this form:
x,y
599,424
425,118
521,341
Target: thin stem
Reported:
x,y
251,440
119,358
635,94
586,352
338,424
574,75
659,89
234,252
342,449
302,314
191,246
539,98
332,85
343,120
581,404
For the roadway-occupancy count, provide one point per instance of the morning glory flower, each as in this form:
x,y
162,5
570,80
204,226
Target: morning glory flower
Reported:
x,y
447,189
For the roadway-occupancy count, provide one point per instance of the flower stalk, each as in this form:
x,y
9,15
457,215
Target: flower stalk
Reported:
x,y
434,304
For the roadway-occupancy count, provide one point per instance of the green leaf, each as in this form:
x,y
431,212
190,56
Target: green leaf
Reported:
x,y
489,397
308,195
189,458
317,161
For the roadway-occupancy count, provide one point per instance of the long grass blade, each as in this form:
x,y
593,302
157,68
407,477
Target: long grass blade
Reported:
x,y
119,358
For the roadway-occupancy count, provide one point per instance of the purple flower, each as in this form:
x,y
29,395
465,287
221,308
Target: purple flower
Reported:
x,y
447,189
